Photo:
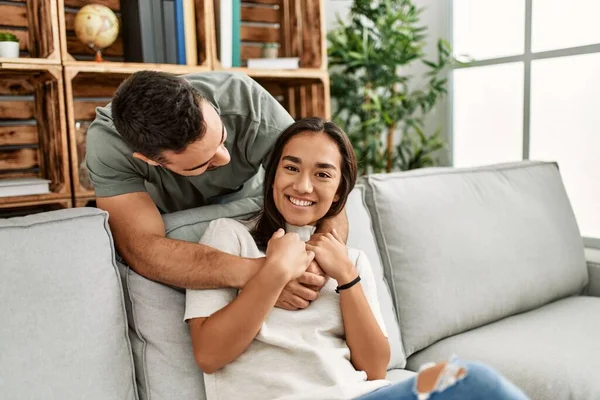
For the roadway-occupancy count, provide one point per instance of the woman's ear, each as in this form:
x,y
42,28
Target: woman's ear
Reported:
x,y
336,198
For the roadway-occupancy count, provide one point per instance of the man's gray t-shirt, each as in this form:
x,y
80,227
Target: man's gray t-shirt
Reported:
x,y
252,117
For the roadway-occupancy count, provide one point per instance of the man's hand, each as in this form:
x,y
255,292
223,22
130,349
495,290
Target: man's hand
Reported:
x,y
296,296
300,292
338,222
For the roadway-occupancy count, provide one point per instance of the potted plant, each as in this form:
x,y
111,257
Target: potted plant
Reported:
x,y
269,50
9,45
380,105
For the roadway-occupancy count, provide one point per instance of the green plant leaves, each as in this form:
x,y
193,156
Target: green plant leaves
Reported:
x,y
8,37
368,56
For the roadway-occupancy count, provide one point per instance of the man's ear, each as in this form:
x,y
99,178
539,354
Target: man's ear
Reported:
x,y
145,159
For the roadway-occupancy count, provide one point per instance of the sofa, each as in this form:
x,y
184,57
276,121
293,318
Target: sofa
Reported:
x,y
484,263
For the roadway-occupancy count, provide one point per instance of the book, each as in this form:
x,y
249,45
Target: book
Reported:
x,y
225,30
274,63
180,32
170,31
142,37
158,30
23,186
189,23
236,38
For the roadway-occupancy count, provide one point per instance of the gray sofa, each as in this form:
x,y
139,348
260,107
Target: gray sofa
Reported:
x,y
484,263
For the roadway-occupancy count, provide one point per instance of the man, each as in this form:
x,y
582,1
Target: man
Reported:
x,y
169,143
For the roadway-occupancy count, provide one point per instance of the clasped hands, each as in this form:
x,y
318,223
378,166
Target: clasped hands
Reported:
x,y
307,266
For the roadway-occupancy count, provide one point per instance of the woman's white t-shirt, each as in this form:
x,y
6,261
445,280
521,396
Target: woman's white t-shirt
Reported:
x,y
296,354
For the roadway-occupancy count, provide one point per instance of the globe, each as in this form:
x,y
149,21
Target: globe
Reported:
x,y
97,26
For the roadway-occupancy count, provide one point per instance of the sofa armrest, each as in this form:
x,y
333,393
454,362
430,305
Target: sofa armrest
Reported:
x,y
593,262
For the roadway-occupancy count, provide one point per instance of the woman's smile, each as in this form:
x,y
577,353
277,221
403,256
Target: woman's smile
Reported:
x,y
300,202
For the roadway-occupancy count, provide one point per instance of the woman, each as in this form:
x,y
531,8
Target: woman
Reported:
x,y
337,347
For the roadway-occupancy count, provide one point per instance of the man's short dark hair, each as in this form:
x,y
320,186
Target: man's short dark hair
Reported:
x,y
156,111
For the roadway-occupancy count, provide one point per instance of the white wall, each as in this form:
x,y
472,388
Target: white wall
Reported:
x,y
436,18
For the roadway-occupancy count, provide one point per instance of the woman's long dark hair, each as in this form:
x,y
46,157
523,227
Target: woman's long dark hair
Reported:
x,y
270,220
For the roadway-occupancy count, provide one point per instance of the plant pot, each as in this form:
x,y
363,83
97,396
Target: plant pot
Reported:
x,y
269,52
9,49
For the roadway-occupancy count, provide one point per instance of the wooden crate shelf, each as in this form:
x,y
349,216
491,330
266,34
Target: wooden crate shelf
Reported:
x,y
297,26
282,74
26,208
85,202
74,52
34,22
87,87
301,97
130,68
48,96
33,140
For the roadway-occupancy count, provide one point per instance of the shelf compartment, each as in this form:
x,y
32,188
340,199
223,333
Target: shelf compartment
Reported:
x,y
74,52
35,23
301,97
295,25
91,85
85,89
33,207
85,202
33,140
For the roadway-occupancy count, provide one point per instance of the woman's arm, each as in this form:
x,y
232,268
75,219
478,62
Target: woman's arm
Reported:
x,y
369,347
225,335
233,322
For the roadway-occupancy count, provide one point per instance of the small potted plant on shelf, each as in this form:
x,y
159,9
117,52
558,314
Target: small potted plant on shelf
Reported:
x,y
269,50
9,45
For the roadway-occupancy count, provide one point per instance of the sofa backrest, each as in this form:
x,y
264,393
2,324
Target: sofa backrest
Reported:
x,y
63,329
465,247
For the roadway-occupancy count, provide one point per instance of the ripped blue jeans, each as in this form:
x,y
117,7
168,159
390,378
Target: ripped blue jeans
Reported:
x,y
457,380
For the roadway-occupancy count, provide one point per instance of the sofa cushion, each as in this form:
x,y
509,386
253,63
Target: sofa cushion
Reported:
x,y
465,247
593,261
399,375
551,353
63,333
361,237
160,339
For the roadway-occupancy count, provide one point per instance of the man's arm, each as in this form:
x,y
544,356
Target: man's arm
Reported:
x,y
139,235
338,222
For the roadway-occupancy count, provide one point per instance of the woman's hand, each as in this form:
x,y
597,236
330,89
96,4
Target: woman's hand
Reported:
x,y
332,255
287,254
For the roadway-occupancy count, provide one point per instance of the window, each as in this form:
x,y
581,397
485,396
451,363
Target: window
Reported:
x,y
530,91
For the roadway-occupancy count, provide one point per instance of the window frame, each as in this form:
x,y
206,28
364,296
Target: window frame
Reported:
x,y
526,58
